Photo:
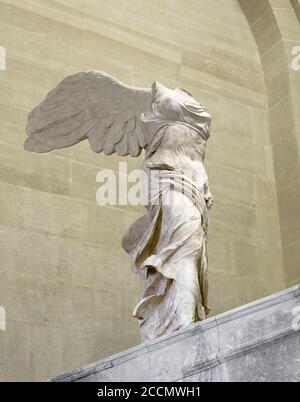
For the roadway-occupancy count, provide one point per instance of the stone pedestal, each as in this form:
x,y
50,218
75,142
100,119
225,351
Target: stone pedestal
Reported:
x,y
256,342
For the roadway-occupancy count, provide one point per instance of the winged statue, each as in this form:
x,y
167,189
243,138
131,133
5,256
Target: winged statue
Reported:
x,y
167,245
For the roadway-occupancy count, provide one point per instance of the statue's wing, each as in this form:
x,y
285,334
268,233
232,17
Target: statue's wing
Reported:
x,y
90,105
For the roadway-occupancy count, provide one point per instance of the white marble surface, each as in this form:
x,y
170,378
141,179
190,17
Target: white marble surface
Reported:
x,y
168,245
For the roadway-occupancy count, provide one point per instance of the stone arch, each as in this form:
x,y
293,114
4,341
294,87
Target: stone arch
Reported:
x,y
275,27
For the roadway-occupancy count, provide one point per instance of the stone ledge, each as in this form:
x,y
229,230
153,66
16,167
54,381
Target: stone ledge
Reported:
x,y
255,342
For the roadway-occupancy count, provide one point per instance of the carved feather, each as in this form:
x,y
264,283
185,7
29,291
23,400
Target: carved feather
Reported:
x,y
95,106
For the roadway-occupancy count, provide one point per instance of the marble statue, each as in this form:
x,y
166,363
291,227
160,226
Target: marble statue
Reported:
x,y
168,245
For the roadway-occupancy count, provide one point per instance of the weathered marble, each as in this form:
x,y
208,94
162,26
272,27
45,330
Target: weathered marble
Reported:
x,y
256,342
168,245
50,272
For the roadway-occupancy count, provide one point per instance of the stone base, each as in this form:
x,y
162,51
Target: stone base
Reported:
x,y
256,342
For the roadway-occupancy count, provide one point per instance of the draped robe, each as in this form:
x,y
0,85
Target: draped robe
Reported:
x,y
168,245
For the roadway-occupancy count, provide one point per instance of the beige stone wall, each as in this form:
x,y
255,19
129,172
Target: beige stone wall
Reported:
x,y
275,26
65,282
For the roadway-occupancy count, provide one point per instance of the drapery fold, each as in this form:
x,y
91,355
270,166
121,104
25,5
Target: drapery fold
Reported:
x,y
171,256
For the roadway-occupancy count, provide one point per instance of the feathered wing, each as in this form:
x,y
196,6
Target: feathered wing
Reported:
x,y
90,105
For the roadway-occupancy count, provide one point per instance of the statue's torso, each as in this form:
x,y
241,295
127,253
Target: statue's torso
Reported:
x,y
181,150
